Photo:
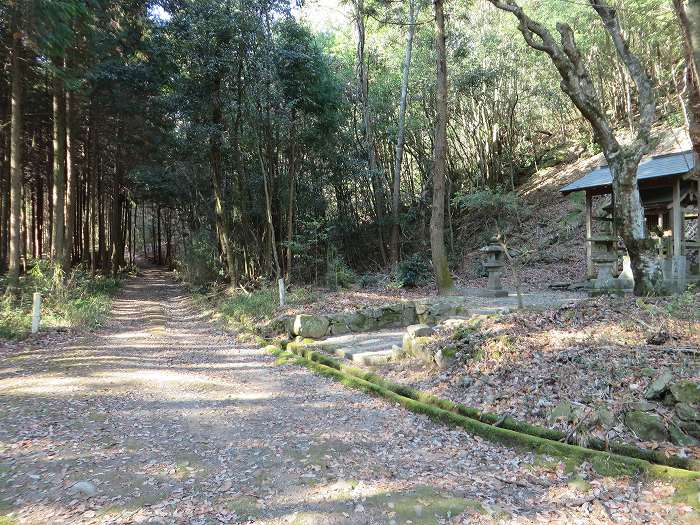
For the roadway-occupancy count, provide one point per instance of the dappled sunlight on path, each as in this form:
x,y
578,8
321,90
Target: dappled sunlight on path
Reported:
x,y
162,418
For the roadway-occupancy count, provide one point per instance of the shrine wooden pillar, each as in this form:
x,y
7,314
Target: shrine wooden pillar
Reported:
x,y
590,270
677,218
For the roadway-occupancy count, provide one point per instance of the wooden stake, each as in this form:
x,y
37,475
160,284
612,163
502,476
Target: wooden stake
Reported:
x,y
36,312
280,284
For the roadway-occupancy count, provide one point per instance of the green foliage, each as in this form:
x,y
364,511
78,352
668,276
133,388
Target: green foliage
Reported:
x,y
247,312
368,280
684,305
411,272
339,274
491,206
78,301
199,263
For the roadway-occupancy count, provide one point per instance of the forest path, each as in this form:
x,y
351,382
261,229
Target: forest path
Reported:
x,y
162,418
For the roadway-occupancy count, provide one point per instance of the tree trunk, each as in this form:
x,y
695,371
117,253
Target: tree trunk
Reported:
x,y
363,78
222,222
59,159
143,232
117,237
101,229
270,223
71,176
396,195
159,241
5,136
437,219
291,172
16,160
92,185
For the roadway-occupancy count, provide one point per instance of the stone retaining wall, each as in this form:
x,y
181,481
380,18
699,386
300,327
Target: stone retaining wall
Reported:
x,y
396,315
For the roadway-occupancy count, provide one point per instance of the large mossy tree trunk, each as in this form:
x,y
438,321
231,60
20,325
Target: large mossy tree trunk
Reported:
x,y
629,216
443,278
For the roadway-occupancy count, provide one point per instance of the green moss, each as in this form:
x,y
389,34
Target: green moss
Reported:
x,y
449,351
611,466
243,506
607,462
550,462
688,493
6,520
424,506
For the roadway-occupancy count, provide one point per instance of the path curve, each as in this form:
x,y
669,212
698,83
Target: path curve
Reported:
x,y
162,418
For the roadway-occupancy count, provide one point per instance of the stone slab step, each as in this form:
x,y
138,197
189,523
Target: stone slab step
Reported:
x,y
374,358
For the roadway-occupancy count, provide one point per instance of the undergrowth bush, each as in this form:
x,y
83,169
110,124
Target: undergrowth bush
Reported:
x,y
491,206
339,274
411,272
77,300
199,263
247,312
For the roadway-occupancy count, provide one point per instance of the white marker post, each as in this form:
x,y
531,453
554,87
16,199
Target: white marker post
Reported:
x,y
36,312
280,283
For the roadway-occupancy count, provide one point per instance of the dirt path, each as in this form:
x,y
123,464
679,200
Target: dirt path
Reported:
x,y
161,418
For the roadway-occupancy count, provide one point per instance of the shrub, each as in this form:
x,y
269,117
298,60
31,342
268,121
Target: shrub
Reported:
x,y
411,272
247,312
492,207
339,274
368,280
77,300
199,264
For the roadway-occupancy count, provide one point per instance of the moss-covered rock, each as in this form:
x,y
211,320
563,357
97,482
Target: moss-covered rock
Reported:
x,y
445,357
679,437
685,391
314,326
688,412
646,426
659,386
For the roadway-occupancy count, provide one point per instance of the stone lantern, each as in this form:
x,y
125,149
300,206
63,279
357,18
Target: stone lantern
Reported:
x,y
495,260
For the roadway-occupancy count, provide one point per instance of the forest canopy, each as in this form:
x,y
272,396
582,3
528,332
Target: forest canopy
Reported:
x,y
242,140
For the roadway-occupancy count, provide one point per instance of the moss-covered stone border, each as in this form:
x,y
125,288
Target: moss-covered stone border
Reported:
x,y
481,424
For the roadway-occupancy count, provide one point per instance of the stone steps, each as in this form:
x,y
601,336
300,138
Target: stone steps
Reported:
x,y
379,347
373,348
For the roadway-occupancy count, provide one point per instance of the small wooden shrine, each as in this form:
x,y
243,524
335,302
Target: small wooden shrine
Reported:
x,y
669,194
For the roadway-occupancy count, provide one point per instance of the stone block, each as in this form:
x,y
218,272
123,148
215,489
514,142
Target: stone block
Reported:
x,y
419,330
648,427
685,391
313,326
659,386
